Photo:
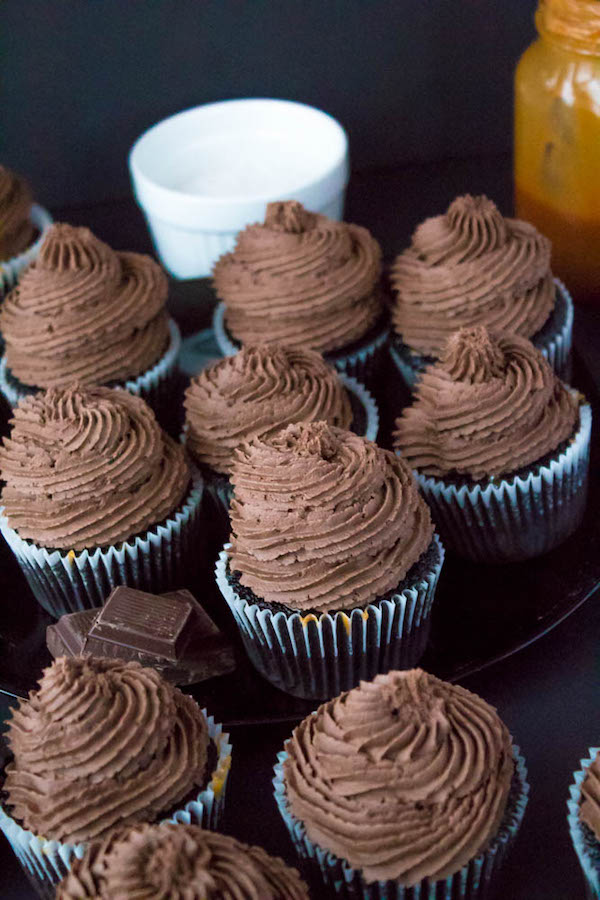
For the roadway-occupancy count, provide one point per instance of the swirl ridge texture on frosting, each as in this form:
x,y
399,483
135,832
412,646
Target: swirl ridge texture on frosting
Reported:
x,y
102,743
88,467
405,777
256,392
470,267
184,861
491,406
300,279
84,312
16,231
589,810
323,519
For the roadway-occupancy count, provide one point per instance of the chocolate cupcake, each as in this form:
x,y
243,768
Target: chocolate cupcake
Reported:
x,y
178,861
499,446
333,563
584,819
406,782
103,744
23,224
83,312
469,267
96,495
255,393
307,281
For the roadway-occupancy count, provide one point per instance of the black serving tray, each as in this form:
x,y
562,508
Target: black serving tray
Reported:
x,y
481,615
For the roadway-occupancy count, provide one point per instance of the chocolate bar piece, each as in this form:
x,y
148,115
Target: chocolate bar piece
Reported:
x,y
169,632
67,636
158,625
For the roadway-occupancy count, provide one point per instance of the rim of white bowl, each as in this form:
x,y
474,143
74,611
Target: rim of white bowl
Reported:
x,y
337,164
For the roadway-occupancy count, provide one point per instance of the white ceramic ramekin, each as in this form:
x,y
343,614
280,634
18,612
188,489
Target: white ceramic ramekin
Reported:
x,y
202,175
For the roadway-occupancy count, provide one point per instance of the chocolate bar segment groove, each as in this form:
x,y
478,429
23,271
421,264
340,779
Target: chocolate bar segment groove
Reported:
x,y
169,632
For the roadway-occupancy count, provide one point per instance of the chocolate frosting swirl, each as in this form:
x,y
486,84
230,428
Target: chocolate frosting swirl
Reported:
x,y
491,406
102,743
254,394
178,861
88,467
589,810
323,519
300,279
83,312
16,231
405,777
471,267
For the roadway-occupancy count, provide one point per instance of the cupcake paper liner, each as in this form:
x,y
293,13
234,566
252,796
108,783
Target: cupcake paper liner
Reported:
x,y
10,269
224,342
472,882
219,490
155,561
362,362
584,841
155,386
47,862
518,517
318,656
409,367
158,385
555,340
368,403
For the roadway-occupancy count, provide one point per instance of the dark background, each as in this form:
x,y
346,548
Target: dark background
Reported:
x,y
411,80
424,88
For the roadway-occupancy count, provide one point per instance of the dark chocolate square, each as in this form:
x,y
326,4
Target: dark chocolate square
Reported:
x,y
150,623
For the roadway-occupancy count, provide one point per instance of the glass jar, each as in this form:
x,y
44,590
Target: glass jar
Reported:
x,y
557,139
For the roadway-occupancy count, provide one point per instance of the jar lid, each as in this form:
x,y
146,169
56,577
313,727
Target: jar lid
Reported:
x,y
575,23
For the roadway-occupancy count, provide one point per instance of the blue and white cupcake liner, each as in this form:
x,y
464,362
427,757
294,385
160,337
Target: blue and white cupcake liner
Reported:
x,y
47,862
367,401
318,656
587,847
472,882
10,269
555,340
156,386
157,561
518,517
219,494
408,366
225,343
366,361
362,363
